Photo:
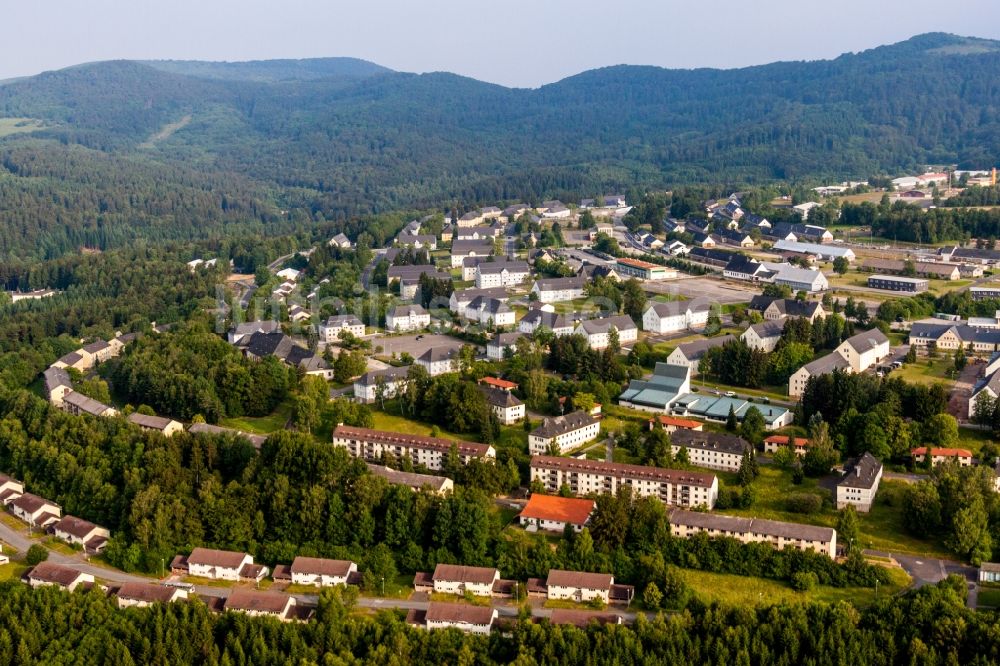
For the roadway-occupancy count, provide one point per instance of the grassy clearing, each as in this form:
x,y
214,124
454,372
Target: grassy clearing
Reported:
x,y
747,591
860,280
566,603
209,582
262,425
12,571
927,371
973,440
9,126
470,599
60,546
988,597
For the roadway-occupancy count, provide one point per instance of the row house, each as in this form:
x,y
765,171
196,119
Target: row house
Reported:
x,y
501,274
218,565
49,573
711,449
79,532
429,452
34,510
778,534
553,290
143,595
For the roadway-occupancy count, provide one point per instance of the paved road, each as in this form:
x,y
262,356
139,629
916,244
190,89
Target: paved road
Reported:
x,y
929,570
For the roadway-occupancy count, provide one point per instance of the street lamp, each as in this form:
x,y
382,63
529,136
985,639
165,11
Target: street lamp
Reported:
x,y
876,589
383,586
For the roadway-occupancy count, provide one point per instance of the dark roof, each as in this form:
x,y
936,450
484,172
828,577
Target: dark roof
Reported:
x,y
30,503
464,574
410,479
558,425
623,470
269,344
389,375
209,429
227,559
733,524
147,421
768,329
321,566
547,319
398,438
867,340
435,354
696,349
861,472
56,377
741,264
148,592
465,613
604,325
499,397
795,308
557,284
760,303
255,600
710,441
505,339
74,526
85,404
469,246
50,572
579,579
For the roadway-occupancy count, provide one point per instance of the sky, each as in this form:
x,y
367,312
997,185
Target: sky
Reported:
x,y
523,43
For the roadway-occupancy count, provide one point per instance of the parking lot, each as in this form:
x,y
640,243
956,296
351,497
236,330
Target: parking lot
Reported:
x,y
713,289
398,344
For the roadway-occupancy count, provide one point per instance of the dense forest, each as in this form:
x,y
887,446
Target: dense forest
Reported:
x,y
129,149
928,626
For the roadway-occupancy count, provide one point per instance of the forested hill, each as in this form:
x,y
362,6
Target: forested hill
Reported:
x,y
331,138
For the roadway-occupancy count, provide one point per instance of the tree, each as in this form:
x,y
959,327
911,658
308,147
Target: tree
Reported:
x,y
36,554
731,422
848,525
840,265
820,456
652,597
960,359
752,428
745,474
940,430
971,534
633,299
349,365
683,457
922,508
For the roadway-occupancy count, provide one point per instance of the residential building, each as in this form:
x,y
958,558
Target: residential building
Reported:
x,y
34,510
553,513
79,404
57,384
258,603
321,572
644,270
78,360
391,379
860,483
585,477
331,329
408,277
10,489
461,249
471,219
898,283
460,299
556,211
940,456
865,349
553,290
928,269
764,336
464,617
497,347
407,318
799,445
563,433
414,481
439,360
703,240
674,316
822,251
219,565
77,531
419,241
459,579
711,449
672,423
489,312
583,587
779,308
691,353
736,237
821,366
100,351
430,452
208,429
341,241
989,572
779,535
501,274
142,595
49,573
243,331
746,269
598,331
289,274
808,233
508,408
538,318
164,426
718,258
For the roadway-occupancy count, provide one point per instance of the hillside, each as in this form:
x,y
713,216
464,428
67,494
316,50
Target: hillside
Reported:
x,y
337,137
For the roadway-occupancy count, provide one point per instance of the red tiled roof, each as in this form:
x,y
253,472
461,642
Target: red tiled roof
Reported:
x,y
499,383
783,440
676,422
948,453
561,509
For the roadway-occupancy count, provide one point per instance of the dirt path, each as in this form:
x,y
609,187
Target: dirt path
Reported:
x,y
958,401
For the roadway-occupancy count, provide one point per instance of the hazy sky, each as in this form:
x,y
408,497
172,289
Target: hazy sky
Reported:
x,y
513,42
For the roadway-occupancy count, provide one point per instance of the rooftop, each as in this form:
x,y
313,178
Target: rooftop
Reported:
x,y
464,574
558,509
733,524
559,425
624,470
579,579
397,438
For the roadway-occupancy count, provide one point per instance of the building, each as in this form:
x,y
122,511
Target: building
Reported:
x,y
821,366
430,452
321,572
458,579
796,278
672,423
940,456
464,617
391,379
489,312
563,433
674,316
460,299
553,290
49,573
779,535
57,384
79,404
341,241
897,283
746,269
439,360
34,510
16,296
736,237
865,349
10,489
142,595
257,603
509,409
656,394
219,565
928,269
412,480
76,531
691,353
463,249
717,408
583,587
501,274
78,360
408,277
989,572
407,318
643,270
764,336
164,426
822,251
243,331
860,483
538,318
598,331
772,309
553,513
498,346
333,327
101,351
775,442
711,449
585,477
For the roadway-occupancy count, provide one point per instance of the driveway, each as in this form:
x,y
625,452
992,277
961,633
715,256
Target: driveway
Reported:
x,y
961,393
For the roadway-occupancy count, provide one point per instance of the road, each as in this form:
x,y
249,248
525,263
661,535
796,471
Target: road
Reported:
x,y
929,570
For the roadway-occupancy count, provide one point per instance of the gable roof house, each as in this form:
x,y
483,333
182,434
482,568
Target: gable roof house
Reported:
x,y
34,510
461,249
746,269
141,595
50,573
439,360
460,298
57,384
551,290
219,565
764,336
160,424
508,408
563,432
93,538
537,318
321,572
78,404
691,353
10,489
860,483
407,318
258,603
553,513
598,331
498,345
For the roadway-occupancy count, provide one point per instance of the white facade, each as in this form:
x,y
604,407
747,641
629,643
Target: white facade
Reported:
x,y
329,331
558,289
598,331
564,432
324,573
511,275
407,318
427,451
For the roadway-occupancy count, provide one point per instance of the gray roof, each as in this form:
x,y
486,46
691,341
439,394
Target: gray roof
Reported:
x,y
490,305
85,404
407,311
505,339
411,479
491,267
826,364
498,397
669,309
468,246
468,295
696,349
624,470
795,308
710,441
558,425
861,472
209,429
56,377
435,354
619,322
547,319
557,284
769,329
867,340
340,321
389,375
732,524
146,421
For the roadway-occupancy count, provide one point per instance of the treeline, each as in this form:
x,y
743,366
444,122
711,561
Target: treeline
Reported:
x,y
191,371
914,224
927,626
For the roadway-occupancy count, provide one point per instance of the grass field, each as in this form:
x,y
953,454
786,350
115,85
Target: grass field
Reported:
x,y
12,571
989,597
10,126
973,440
263,425
860,280
927,371
748,591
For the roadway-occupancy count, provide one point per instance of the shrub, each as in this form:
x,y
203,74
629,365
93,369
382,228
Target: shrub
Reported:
x,y
804,503
803,581
36,554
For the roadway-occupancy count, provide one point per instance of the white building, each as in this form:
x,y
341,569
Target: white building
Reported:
x,y
220,565
49,573
553,290
691,353
430,452
711,449
501,274
439,360
539,318
674,316
391,379
489,311
34,510
856,354
497,347
407,318
321,572
764,336
142,595
81,533
563,432
256,603
779,535
459,579
464,617
860,483
579,586
553,513
598,331
508,408
330,330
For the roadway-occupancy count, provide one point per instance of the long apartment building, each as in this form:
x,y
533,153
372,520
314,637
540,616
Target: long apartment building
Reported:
x,y
430,452
711,449
780,535
583,477
563,432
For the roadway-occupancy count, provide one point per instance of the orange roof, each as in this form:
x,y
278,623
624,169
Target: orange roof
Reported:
x,y
783,439
948,453
563,509
676,422
499,383
638,263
